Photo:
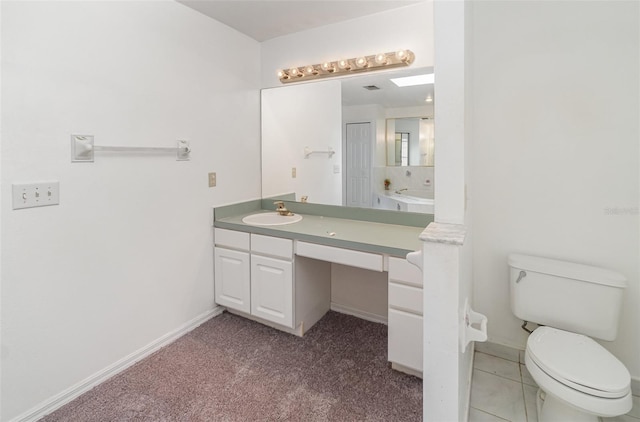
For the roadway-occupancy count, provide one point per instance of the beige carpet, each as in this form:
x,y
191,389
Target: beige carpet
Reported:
x,y
233,369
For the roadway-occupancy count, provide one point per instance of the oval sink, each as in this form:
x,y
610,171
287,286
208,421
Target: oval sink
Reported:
x,y
271,219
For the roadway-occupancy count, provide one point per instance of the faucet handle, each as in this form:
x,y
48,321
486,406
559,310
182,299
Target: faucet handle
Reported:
x,y
279,204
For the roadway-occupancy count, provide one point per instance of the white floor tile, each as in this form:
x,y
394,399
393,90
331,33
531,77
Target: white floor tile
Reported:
x,y
497,396
635,412
476,415
530,394
623,418
526,376
498,366
499,350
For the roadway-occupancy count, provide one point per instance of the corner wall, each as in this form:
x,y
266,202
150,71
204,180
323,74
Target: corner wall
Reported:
x,y
556,152
127,255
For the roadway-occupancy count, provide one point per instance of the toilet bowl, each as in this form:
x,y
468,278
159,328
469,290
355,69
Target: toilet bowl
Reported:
x,y
580,379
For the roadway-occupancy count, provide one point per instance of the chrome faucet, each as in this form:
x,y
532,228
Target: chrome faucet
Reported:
x,y
401,190
282,210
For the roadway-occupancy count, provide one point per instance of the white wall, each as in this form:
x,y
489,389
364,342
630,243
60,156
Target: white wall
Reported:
x,y
360,292
127,255
410,27
446,389
556,154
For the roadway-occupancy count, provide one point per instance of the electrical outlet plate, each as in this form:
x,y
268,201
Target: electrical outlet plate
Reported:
x,y
40,194
212,180
293,172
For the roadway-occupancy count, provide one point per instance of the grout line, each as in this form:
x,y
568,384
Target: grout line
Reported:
x,y
493,373
524,399
484,411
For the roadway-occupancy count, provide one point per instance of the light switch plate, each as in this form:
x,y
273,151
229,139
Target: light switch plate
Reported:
x,y
293,172
40,194
212,180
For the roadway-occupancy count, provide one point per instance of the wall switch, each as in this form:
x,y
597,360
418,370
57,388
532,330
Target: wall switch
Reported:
x,y
212,180
293,172
40,194
336,168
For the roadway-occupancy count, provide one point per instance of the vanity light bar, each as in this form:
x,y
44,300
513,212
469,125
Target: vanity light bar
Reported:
x,y
343,67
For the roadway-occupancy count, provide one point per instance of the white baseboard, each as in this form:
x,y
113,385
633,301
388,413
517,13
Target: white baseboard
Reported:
x,y
82,387
358,313
464,410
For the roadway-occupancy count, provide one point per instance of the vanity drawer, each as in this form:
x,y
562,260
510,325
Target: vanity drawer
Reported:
x,y
404,338
405,298
402,271
366,260
274,246
231,239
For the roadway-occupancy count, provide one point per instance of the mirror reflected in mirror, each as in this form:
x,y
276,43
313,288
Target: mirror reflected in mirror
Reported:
x,y
358,119
410,141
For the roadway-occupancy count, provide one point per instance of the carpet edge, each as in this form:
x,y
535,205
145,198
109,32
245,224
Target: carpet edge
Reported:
x,y
73,392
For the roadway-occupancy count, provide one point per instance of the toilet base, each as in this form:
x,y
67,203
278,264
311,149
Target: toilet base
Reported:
x,y
552,409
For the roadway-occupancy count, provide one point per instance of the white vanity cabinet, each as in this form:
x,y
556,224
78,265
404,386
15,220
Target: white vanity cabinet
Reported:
x,y
254,275
405,316
232,277
272,279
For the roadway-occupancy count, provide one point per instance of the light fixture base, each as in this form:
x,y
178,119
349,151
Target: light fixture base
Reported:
x,y
380,61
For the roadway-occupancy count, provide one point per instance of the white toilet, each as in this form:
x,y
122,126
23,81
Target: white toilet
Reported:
x,y
579,379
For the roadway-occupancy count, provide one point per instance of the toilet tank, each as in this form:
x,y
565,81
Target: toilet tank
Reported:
x,y
573,297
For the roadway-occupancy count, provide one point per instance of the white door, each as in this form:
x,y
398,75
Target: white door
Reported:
x,y
358,172
232,279
272,290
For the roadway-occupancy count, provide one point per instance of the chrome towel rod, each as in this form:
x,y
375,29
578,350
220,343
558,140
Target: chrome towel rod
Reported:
x,y
82,149
308,151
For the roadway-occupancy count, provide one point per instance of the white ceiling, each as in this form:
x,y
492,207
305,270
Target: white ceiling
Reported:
x,y
389,95
266,19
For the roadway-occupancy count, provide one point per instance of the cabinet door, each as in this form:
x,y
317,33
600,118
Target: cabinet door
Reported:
x,y
405,339
272,290
232,279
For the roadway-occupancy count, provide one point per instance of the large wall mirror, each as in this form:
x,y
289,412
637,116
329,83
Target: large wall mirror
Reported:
x,y
361,141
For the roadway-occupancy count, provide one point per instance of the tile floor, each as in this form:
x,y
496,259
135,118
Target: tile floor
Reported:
x,y
502,389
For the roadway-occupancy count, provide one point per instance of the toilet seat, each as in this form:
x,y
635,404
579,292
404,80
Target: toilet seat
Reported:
x,y
578,362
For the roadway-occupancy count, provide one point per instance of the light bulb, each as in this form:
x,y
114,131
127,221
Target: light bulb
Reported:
x,y
281,74
310,70
328,67
343,64
401,55
294,71
361,62
381,58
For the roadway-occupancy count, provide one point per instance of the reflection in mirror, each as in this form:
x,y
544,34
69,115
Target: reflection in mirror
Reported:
x,y
410,141
306,117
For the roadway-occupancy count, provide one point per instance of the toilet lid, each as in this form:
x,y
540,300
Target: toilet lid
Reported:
x,y
578,362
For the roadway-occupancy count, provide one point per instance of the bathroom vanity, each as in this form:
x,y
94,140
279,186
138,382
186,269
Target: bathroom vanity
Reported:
x,y
280,275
